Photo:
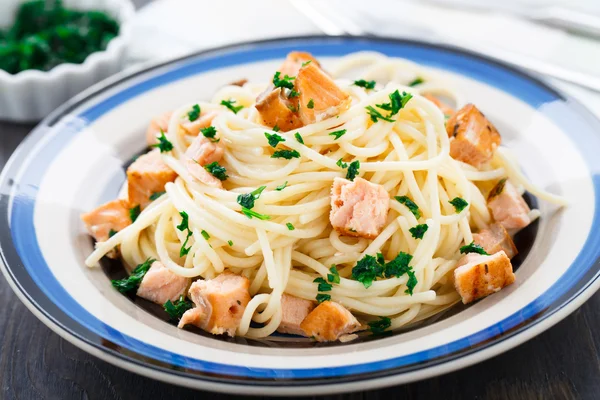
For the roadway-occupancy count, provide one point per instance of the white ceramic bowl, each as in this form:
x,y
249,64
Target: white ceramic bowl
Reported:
x,y
31,95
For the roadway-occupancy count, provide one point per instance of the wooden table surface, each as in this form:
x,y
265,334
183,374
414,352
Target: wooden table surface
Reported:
x,y
35,363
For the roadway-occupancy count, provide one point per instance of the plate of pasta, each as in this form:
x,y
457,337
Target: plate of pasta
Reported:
x,y
306,215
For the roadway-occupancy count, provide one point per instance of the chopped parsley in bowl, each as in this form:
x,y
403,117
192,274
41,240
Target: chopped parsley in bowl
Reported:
x,y
45,34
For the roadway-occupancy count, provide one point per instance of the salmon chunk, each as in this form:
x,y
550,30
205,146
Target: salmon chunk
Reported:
x,y
474,138
146,176
220,304
160,284
478,276
156,125
328,321
320,98
276,110
358,208
294,61
204,151
495,239
199,173
293,311
508,207
446,110
112,216
205,120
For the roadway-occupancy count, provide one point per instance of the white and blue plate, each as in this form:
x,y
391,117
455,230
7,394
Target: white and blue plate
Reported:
x,y
73,161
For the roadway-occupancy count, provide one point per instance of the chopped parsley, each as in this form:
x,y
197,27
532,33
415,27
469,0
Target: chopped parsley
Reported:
x,y
305,63
338,134
194,113
334,276
287,154
156,195
365,84
411,283
249,213
184,225
321,297
178,308
286,82
216,170
163,143
341,163
299,138
274,139
282,186
293,94
293,108
353,170
376,115
459,204
412,207
498,189
112,233
205,234
418,231
290,226
310,104
230,242
417,81
473,248
323,285
229,104
379,326
368,269
210,133
247,199
397,102
133,281
134,213
276,129
399,265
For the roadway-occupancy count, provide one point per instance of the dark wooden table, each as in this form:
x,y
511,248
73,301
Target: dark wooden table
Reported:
x,y
35,363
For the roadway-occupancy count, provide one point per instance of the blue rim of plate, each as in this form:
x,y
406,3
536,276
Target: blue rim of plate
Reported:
x,y
28,273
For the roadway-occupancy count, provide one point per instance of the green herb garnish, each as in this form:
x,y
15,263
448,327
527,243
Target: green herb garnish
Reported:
x,y
365,84
178,308
305,63
417,81
282,186
290,226
230,242
321,297
334,276
376,115
473,248
156,195
286,82
210,132
418,231
163,143
133,281
249,213
379,326
338,134
216,170
293,94
194,113
399,265
310,104
276,129
412,207
498,189
134,213
341,164
411,283
247,199
299,138
230,104
112,233
459,204
287,154
184,225
353,170
274,139
205,234
323,285
367,270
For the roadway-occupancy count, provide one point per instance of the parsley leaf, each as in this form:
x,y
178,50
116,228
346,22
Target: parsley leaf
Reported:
x,y
194,113
293,94
133,281
365,84
397,102
178,308
247,199
156,195
290,226
249,213
379,326
287,154
205,234
353,170
473,248
274,139
310,104
299,138
112,233
376,115
276,129
412,207
367,270
321,297
229,104
305,63
286,82
459,204
334,276
341,164
184,225
134,213
216,170
411,283
323,285
418,231
417,81
210,132
163,143
282,186
399,265
338,134
230,242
